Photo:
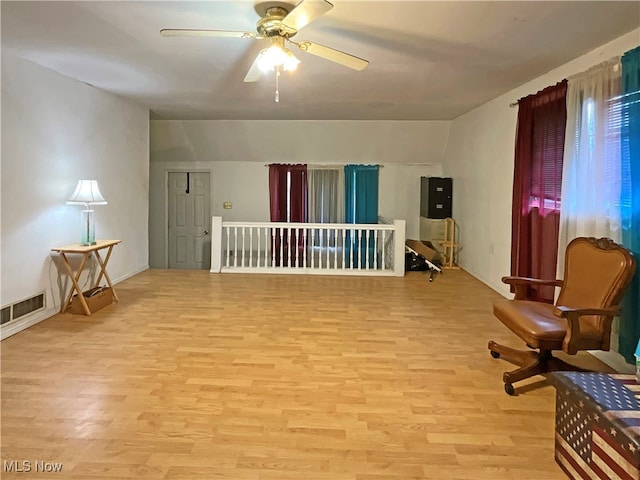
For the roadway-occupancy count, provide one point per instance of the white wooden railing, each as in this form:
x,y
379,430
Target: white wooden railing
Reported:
x,y
308,248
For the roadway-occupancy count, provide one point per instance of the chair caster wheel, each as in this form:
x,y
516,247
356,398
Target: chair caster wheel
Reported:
x,y
495,354
509,389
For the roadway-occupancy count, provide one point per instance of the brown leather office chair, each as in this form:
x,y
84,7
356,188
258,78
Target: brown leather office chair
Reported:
x,y
596,275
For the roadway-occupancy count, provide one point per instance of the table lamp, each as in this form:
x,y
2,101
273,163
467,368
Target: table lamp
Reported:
x,y
88,194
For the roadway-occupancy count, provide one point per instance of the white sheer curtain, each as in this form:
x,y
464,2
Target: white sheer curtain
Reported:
x,y
325,201
591,164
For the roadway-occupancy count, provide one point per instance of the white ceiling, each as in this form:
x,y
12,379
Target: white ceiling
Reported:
x,y
429,60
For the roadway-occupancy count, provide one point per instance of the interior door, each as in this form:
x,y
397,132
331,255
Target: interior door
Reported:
x,y
189,220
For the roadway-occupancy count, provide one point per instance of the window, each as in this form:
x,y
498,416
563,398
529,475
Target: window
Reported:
x,y
592,174
547,146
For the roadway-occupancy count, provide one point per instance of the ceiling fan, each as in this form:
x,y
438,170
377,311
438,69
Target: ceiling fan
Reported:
x,y
278,23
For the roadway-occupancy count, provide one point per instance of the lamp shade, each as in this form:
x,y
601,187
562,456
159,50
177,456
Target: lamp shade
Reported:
x,y
87,193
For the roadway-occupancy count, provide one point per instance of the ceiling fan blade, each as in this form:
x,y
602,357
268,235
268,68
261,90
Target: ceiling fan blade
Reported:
x,y
254,73
333,55
305,13
186,32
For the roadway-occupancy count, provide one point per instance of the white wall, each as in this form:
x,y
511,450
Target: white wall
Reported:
x,y
56,131
236,152
479,158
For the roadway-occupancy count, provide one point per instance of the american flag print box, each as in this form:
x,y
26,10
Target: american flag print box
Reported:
x,y
597,433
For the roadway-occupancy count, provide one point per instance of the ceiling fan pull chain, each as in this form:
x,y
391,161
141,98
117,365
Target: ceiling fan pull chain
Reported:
x,y
277,83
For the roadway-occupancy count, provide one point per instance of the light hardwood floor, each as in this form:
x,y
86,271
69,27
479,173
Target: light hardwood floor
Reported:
x,y
260,377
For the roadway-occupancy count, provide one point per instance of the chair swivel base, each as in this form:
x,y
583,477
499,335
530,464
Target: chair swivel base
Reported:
x,y
531,362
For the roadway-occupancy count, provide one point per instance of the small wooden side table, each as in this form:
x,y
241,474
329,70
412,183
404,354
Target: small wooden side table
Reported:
x,y
86,251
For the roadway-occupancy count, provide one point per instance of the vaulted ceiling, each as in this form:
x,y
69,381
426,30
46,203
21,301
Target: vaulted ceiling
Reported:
x,y
429,60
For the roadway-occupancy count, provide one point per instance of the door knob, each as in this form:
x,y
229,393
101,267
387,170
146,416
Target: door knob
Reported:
x,y
206,232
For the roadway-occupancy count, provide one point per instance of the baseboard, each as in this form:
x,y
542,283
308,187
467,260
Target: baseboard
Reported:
x,y
497,287
131,274
614,360
12,328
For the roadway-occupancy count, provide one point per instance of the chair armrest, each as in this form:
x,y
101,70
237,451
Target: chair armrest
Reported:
x,y
571,342
566,312
519,284
530,281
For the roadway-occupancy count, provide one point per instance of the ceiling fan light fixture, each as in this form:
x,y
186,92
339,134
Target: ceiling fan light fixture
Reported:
x,y
291,63
274,56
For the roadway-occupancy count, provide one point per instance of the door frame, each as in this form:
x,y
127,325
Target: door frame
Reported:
x,y
167,171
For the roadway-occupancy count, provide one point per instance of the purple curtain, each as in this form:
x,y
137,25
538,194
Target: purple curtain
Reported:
x,y
288,203
298,193
537,181
278,192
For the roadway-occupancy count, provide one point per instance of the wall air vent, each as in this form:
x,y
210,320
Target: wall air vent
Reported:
x,y
5,315
28,306
22,308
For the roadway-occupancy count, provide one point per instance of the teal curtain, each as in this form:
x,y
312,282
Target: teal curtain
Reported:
x,y
361,193
630,201
361,206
